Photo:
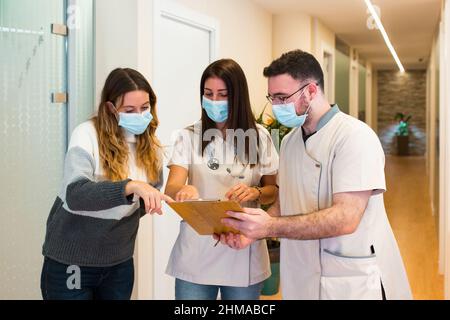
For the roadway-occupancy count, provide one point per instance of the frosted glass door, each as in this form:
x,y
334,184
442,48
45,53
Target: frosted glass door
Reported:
x,y
32,137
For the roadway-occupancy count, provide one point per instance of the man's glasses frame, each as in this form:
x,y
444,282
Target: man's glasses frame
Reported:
x,y
284,99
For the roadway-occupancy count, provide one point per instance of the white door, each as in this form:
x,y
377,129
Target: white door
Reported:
x,y
184,45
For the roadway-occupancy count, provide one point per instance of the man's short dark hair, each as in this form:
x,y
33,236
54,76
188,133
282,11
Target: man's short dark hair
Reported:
x,y
299,64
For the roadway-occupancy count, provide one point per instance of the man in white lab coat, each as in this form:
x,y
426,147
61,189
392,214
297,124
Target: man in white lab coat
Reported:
x,y
337,242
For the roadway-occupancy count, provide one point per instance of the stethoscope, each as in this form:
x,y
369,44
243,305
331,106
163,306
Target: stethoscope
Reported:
x,y
213,164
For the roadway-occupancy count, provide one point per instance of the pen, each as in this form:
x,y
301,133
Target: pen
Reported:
x,y
218,240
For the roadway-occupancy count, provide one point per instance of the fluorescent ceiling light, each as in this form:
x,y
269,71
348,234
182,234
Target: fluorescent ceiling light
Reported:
x,y
385,36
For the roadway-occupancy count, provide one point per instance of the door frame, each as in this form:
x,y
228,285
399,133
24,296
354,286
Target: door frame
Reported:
x,y
145,263
331,70
170,10
369,98
353,109
73,44
71,65
444,154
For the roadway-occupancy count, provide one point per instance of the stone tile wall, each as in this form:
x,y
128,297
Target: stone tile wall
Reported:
x,y
404,93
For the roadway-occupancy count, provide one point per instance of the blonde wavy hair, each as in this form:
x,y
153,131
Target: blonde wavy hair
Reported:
x,y
113,147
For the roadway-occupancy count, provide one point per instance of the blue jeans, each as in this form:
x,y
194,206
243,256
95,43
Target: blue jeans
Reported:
x,y
185,290
59,281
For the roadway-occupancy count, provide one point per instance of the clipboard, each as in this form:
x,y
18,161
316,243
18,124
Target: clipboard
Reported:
x,y
204,216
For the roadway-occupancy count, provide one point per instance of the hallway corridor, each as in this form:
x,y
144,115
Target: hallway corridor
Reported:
x,y
409,210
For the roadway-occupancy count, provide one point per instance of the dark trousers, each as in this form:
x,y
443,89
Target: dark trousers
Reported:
x,y
63,282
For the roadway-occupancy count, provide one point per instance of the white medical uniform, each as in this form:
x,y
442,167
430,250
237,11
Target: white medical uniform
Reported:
x,y
194,258
344,155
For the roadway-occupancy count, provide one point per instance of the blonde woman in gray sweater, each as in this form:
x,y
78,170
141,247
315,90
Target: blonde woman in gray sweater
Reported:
x,y
112,176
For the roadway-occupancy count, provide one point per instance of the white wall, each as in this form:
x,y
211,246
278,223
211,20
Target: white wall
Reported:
x,y
369,99
431,120
437,136
301,31
116,38
291,31
245,36
438,86
253,44
323,40
444,186
127,44
374,104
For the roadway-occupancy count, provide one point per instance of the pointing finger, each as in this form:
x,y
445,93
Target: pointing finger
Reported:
x,y
167,199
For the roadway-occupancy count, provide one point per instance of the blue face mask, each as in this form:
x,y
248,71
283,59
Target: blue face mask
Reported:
x,y
135,123
287,116
217,111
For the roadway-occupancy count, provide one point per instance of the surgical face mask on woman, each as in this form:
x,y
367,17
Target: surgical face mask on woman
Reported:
x,y
134,115
287,116
217,111
135,123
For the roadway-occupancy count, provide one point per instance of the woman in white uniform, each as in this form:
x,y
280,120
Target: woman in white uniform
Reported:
x,y
226,155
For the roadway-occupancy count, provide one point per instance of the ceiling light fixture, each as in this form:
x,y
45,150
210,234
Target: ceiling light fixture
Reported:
x,y
384,34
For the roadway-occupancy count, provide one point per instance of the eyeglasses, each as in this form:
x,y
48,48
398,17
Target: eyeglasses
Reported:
x,y
283,100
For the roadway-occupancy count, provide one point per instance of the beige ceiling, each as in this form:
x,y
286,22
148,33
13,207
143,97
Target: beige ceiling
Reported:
x,y
410,25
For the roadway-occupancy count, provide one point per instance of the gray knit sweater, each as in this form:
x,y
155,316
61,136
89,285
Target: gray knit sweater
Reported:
x,y
92,222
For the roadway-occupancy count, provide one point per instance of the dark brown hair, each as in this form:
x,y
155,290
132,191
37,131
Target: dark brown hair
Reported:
x,y
299,64
240,115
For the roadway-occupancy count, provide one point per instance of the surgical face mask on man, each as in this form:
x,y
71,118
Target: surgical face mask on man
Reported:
x,y
135,123
217,111
287,116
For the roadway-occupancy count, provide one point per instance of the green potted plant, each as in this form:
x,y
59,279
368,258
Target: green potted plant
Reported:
x,y
272,284
278,132
402,133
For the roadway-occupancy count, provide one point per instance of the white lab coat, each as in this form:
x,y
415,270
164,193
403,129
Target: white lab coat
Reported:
x,y
345,155
194,258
